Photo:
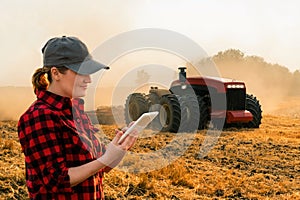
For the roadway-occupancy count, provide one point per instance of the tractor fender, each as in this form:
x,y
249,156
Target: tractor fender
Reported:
x,y
159,92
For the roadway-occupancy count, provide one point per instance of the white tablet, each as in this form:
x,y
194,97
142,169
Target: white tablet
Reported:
x,y
139,124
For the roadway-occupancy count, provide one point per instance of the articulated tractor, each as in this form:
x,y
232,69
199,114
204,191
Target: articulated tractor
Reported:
x,y
195,103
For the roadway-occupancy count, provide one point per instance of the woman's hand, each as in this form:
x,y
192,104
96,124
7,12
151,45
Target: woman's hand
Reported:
x,y
115,151
129,141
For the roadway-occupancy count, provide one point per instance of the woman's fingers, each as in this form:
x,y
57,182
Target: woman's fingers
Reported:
x,y
117,137
130,140
131,143
131,123
124,129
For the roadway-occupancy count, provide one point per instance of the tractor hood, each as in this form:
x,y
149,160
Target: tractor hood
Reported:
x,y
220,84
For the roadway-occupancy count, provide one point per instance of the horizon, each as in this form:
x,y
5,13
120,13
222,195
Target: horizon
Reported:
x,y
111,84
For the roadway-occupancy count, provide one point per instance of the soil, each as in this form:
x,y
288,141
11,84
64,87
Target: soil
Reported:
x,y
259,163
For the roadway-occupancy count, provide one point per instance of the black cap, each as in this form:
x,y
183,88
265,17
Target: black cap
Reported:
x,y
71,53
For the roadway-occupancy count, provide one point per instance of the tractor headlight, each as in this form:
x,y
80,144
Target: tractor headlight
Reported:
x,y
183,87
233,86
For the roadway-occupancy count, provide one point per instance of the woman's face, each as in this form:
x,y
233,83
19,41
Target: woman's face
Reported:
x,y
70,84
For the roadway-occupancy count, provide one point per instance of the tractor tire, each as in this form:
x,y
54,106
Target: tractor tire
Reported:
x,y
168,119
189,113
136,105
253,106
204,112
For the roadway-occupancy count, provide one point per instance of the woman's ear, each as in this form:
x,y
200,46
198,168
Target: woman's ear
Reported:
x,y
55,74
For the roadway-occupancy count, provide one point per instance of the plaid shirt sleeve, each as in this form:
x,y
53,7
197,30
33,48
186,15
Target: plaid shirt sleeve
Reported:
x,y
40,135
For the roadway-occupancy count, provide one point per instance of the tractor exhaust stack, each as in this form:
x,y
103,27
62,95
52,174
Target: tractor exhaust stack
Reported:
x,y
182,74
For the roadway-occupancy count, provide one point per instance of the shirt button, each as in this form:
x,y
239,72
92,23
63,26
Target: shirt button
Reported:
x,y
78,120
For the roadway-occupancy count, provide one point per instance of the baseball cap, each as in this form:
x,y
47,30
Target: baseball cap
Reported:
x,y
72,53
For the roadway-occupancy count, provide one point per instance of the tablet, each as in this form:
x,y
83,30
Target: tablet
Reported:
x,y
139,124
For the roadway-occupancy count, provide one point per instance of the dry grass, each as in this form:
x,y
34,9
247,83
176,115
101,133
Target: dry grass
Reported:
x,y
244,164
12,176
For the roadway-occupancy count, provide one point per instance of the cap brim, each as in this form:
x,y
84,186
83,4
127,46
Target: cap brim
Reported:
x,y
88,66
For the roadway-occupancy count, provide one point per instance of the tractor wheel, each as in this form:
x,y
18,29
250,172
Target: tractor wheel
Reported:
x,y
168,119
252,105
204,112
136,105
189,113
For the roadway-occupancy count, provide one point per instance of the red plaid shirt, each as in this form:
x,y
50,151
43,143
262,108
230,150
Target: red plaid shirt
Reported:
x,y
56,134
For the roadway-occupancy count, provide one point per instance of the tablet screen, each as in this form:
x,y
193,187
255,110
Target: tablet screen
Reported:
x,y
140,124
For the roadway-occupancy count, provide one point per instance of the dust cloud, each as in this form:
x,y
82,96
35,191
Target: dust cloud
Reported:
x,y
14,101
265,86
272,84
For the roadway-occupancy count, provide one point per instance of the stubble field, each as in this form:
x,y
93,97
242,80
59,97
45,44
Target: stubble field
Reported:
x,y
259,163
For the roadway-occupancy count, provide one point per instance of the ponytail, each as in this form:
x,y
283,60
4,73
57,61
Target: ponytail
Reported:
x,y
40,79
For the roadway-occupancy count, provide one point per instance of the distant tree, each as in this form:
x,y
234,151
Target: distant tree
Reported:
x,y
297,75
269,82
142,77
295,87
202,67
229,55
255,59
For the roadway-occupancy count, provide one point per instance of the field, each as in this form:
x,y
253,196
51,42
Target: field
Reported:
x,y
244,164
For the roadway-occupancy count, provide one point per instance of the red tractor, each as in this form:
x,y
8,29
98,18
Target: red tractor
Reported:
x,y
197,103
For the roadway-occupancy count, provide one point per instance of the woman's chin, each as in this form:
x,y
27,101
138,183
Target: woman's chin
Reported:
x,y
79,94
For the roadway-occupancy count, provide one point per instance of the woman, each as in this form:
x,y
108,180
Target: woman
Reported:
x,y
63,157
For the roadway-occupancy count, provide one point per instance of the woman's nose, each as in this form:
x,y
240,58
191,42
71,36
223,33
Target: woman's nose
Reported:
x,y
87,79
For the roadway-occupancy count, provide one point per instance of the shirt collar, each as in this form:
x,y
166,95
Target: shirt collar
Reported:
x,y
54,100
79,104
60,102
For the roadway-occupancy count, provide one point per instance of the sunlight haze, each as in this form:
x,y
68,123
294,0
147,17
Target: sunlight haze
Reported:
x,y
269,29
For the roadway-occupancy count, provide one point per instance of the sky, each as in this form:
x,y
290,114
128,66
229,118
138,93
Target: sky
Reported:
x,y
269,28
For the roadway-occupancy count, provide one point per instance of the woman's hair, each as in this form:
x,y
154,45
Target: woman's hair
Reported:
x,y
41,78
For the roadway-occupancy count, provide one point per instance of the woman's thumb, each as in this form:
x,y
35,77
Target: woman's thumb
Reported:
x,y
117,137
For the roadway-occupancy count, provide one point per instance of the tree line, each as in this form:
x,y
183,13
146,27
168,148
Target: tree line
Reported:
x,y
257,72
